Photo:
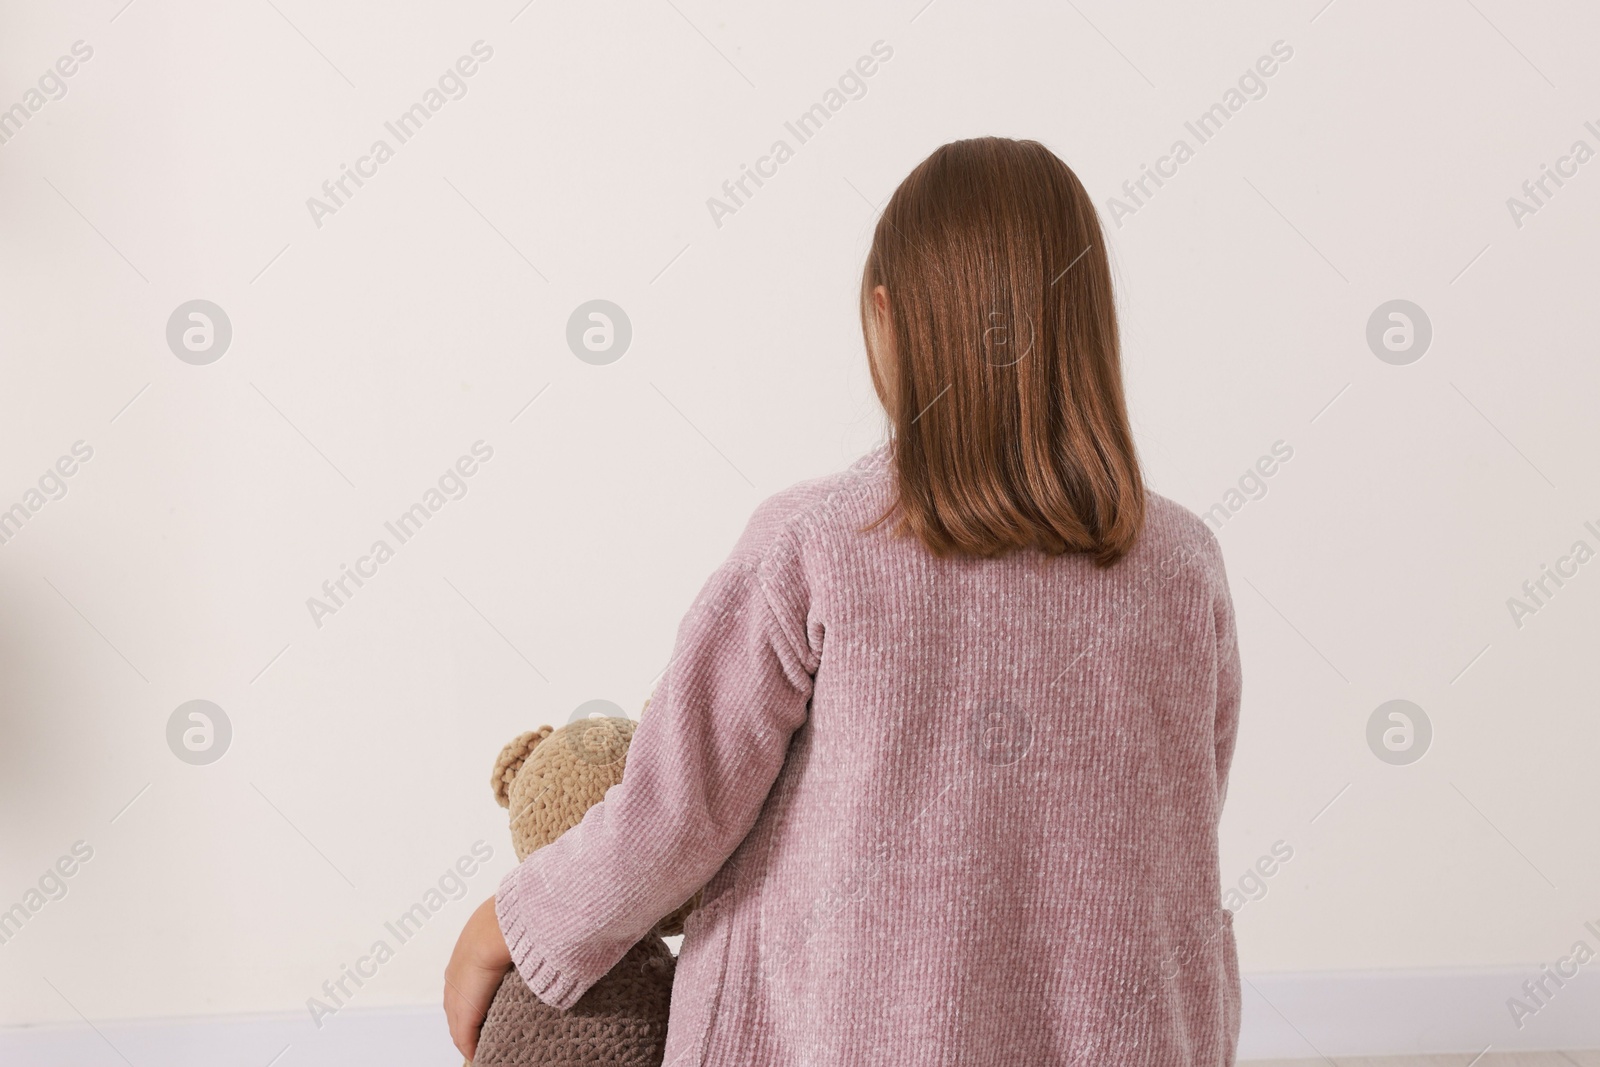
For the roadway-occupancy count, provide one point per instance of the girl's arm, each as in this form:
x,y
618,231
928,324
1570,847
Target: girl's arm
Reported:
x,y
699,769
1229,676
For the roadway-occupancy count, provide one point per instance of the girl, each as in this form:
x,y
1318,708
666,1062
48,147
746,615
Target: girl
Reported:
x,y
946,739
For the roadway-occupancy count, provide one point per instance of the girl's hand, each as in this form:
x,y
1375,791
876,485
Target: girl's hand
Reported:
x,y
475,971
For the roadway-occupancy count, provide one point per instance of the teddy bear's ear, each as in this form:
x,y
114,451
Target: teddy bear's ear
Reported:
x,y
510,761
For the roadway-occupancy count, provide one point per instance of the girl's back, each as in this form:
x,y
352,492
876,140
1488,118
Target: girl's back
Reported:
x,y
993,838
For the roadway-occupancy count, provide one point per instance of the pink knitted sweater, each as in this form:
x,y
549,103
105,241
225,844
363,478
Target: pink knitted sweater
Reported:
x,y
949,812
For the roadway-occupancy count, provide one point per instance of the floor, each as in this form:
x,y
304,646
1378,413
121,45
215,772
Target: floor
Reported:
x,y
1490,1059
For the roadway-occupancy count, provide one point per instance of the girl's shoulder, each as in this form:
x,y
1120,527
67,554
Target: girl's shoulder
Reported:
x,y
1176,540
808,510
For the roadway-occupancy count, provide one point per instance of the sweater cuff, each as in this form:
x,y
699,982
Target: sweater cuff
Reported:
x,y
546,981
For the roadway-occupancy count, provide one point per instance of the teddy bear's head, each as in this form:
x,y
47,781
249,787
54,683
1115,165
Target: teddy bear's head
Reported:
x,y
548,778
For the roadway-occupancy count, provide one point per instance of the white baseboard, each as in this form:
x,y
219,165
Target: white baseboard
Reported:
x,y
1396,1013
1286,1016
394,1037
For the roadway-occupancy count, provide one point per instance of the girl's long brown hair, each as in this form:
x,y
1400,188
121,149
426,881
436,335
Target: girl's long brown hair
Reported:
x,y
1010,428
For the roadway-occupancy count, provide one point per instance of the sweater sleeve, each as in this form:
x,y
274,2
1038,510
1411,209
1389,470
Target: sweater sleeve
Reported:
x,y
700,766
1229,678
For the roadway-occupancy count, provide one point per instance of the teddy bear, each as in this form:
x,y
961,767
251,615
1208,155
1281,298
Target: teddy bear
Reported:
x,y
547,778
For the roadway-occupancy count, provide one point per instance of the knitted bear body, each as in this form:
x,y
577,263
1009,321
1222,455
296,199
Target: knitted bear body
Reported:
x,y
620,1022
